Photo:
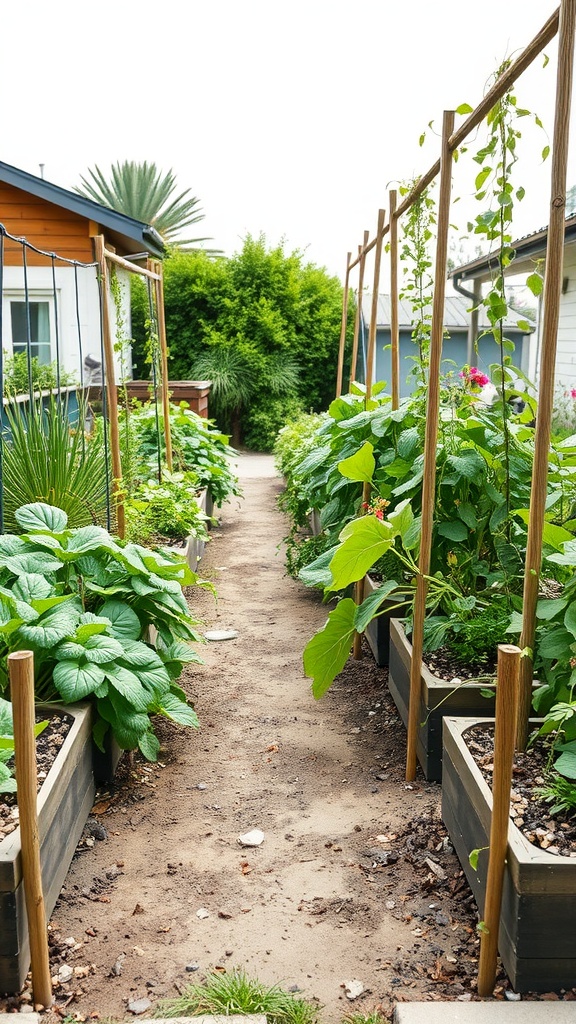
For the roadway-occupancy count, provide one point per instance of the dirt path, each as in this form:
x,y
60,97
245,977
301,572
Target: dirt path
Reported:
x,y
355,878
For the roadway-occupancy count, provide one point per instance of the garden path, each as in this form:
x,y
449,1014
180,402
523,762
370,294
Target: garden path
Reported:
x,y
354,880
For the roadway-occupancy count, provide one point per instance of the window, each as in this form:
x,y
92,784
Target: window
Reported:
x,y
37,315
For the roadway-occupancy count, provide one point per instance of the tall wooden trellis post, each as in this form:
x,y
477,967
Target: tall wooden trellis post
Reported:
x,y
103,257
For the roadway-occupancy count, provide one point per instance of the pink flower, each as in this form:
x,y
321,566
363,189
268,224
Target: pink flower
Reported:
x,y
573,392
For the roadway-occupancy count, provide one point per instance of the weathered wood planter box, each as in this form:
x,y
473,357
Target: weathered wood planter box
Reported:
x,y
437,699
377,632
64,804
195,392
537,939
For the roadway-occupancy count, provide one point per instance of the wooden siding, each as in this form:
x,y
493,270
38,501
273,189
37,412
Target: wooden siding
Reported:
x,y
566,352
45,225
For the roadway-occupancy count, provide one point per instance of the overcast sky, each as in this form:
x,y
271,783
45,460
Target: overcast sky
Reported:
x,y
287,118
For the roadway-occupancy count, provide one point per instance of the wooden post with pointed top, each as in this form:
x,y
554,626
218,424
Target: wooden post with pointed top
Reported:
x,y
343,326
21,673
506,710
394,328
358,316
430,442
552,291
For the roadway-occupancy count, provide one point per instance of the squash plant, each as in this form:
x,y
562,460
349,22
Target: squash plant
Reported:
x,y
83,603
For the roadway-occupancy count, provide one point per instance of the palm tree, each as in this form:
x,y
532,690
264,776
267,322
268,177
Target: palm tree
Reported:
x,y
145,193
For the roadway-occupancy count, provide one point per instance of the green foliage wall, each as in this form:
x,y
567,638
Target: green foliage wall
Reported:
x,y
264,317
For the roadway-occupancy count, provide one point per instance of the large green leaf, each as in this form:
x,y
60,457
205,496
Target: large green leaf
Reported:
x,y
40,516
52,627
566,764
371,604
149,745
31,587
359,466
32,561
129,686
317,573
101,649
327,652
455,530
75,680
362,543
178,710
125,624
139,655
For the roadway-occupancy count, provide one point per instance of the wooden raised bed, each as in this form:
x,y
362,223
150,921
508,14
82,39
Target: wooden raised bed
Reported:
x,y
64,804
437,699
537,939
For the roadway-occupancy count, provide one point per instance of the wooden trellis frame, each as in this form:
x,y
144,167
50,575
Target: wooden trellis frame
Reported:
x,y
563,23
153,271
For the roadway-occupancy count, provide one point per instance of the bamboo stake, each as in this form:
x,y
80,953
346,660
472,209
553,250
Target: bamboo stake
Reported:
x,y
366,489
132,267
551,298
21,672
506,708
343,327
374,310
358,317
430,442
394,328
159,287
111,393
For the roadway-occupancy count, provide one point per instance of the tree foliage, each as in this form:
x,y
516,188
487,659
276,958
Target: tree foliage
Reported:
x,y
142,191
263,325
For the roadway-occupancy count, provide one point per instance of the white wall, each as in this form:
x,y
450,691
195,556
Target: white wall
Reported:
x,y
566,352
78,324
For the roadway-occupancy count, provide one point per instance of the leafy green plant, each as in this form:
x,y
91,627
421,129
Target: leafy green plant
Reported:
x,y
44,375
166,511
45,458
197,447
236,993
7,780
558,792
84,604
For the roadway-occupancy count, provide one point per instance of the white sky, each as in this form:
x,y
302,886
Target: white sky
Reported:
x,y
287,118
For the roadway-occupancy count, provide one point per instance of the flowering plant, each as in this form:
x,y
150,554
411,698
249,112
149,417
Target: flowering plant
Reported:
x,y
564,411
473,377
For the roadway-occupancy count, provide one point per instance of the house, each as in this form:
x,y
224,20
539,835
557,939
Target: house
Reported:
x,y
457,349
54,303
530,255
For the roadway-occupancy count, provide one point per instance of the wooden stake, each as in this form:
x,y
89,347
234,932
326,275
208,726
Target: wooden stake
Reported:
x,y
430,442
374,310
111,393
21,673
358,316
343,327
506,709
552,291
394,328
159,286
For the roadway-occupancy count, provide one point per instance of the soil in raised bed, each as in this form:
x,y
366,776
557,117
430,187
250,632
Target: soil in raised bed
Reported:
x,y
529,812
48,745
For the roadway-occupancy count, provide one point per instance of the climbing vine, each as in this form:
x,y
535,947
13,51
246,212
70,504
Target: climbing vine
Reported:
x,y
417,288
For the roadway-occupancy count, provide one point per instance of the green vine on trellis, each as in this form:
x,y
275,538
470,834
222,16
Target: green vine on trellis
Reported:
x,y
417,288
494,183
121,343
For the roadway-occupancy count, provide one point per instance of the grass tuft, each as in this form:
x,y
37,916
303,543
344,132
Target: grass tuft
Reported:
x,y
236,993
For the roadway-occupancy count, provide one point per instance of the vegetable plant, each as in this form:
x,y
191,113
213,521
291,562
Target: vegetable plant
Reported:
x,y
84,603
166,512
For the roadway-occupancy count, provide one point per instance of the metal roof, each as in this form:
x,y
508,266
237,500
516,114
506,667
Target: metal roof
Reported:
x,y
456,313
135,234
528,249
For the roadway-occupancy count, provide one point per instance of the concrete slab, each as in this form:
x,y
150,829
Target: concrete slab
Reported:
x,y
217,1018
492,1012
